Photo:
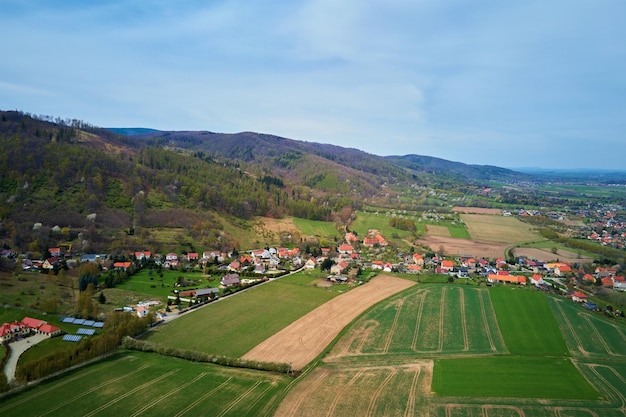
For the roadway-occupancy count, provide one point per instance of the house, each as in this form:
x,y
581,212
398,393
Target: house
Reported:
x,y
230,280
259,269
210,255
139,255
205,293
311,263
561,269
50,263
345,249
171,257
377,265
25,327
326,251
368,242
537,280
414,269
607,282
123,266
142,311
619,283
446,266
351,238
507,279
192,256
234,266
54,252
579,297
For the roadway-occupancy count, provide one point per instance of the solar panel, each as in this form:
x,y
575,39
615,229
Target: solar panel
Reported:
x,y
71,338
88,323
98,324
87,332
67,320
79,321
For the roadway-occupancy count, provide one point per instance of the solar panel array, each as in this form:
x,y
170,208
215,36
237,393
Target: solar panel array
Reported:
x,y
83,322
87,332
72,338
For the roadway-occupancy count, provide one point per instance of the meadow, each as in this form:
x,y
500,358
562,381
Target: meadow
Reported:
x,y
136,383
379,221
234,325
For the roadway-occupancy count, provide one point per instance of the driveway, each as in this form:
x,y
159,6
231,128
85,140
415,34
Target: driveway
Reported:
x,y
17,348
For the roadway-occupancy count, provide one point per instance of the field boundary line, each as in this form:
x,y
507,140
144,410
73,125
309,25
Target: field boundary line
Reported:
x,y
364,334
372,405
558,410
410,403
252,404
463,321
204,397
110,381
619,331
485,409
418,320
495,317
442,311
485,322
598,335
158,400
129,393
239,399
392,330
339,394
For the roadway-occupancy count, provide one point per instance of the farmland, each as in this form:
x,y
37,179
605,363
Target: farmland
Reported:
x,y
134,384
234,325
431,349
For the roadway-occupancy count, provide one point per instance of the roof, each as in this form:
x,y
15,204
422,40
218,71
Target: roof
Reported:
x,y
32,323
48,328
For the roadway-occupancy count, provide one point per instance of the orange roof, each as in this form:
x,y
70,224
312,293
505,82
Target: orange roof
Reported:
x,y
48,328
519,279
446,263
32,323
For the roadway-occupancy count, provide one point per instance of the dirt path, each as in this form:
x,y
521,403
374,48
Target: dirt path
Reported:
x,y
17,348
300,342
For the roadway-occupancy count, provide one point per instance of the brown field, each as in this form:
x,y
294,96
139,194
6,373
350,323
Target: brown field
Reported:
x,y
477,210
546,255
394,390
437,230
300,342
498,229
458,247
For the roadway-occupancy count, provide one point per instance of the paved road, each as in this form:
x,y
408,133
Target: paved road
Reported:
x,y
17,348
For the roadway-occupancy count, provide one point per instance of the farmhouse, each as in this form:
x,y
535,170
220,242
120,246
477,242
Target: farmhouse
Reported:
x,y
579,297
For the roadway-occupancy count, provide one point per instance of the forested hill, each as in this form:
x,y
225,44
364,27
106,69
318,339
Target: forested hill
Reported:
x,y
59,178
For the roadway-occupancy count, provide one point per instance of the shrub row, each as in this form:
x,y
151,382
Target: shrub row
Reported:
x,y
195,356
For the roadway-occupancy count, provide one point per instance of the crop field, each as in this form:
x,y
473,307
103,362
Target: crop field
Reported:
x,y
526,322
498,229
443,350
136,384
589,335
426,320
234,325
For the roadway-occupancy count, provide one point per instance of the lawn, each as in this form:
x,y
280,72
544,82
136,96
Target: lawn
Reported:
x,y
526,322
135,383
234,325
511,376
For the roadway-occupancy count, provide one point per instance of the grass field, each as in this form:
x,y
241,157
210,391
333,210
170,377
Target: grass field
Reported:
x,y
134,384
316,228
151,284
366,220
235,325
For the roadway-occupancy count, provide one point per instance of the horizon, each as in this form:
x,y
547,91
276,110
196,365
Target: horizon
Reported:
x,y
492,84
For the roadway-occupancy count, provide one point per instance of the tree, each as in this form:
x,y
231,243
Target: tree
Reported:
x,y
326,264
101,298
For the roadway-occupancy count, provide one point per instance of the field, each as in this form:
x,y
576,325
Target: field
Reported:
x,y
315,228
484,235
546,255
234,325
135,384
367,220
453,338
303,340
432,349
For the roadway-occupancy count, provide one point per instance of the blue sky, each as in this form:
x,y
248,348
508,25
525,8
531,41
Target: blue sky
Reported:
x,y
512,84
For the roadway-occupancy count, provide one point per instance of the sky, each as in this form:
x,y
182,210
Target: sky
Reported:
x,y
531,83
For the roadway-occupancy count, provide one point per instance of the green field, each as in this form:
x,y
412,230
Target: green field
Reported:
x,y
135,383
315,228
234,325
150,283
366,220
426,320
511,376
526,322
